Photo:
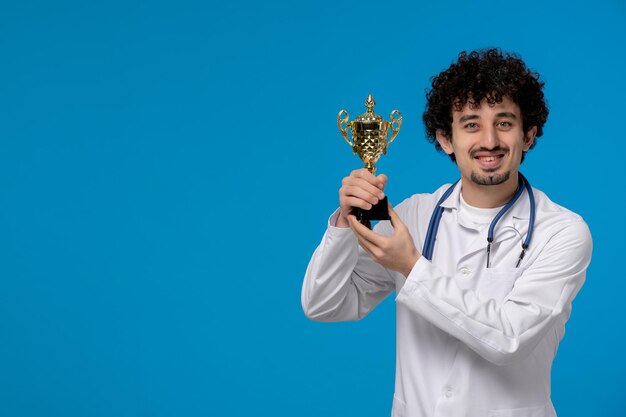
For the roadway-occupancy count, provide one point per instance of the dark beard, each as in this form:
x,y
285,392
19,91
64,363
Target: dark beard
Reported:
x,y
495,179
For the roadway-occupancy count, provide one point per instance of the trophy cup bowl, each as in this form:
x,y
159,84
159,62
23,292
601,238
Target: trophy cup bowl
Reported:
x,y
369,141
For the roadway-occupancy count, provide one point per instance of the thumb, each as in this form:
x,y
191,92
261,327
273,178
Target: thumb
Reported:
x,y
395,220
383,179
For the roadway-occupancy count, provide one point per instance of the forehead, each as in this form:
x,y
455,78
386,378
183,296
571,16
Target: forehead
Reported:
x,y
484,109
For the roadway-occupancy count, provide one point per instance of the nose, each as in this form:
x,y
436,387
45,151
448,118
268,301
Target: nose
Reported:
x,y
490,137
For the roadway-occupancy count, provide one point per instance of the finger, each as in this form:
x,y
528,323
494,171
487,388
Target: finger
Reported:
x,y
395,220
351,202
364,243
357,227
367,182
361,173
360,189
366,247
371,195
365,175
363,232
373,189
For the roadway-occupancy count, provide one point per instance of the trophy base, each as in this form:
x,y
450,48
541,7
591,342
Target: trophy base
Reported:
x,y
379,211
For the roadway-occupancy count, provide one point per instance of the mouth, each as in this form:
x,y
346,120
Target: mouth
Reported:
x,y
489,160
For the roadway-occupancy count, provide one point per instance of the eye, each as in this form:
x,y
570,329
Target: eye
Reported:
x,y
505,124
471,126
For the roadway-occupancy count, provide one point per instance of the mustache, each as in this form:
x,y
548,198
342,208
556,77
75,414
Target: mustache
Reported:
x,y
498,148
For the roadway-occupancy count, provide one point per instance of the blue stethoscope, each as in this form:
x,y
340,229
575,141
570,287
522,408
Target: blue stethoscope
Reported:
x,y
433,226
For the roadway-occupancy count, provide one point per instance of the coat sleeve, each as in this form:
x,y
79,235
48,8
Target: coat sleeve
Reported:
x,y
505,332
342,282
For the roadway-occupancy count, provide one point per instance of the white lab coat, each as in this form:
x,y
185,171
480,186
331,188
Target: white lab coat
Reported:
x,y
471,341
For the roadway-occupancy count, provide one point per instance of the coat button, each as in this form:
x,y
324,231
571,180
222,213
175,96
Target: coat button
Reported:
x,y
465,270
448,392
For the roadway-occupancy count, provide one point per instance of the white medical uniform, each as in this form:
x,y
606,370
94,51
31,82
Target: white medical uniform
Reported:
x,y
471,341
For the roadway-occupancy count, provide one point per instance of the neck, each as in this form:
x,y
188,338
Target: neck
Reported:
x,y
489,196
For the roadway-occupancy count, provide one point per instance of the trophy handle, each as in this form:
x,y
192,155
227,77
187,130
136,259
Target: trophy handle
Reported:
x,y
342,119
396,119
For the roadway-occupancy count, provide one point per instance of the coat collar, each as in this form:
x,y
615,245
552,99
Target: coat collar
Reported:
x,y
516,217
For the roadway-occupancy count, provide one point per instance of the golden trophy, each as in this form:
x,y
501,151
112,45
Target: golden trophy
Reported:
x,y
369,141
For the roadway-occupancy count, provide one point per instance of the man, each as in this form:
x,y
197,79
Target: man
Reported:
x,y
479,323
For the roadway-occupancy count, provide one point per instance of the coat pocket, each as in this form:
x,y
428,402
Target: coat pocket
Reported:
x,y
496,283
541,411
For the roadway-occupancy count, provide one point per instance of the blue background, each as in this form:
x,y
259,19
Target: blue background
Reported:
x,y
167,168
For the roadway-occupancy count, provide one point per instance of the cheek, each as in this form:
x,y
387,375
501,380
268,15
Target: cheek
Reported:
x,y
463,150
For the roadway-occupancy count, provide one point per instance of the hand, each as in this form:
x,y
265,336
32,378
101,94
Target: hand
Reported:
x,y
396,252
360,189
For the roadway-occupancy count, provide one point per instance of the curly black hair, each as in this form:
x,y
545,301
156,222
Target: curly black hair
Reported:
x,y
484,74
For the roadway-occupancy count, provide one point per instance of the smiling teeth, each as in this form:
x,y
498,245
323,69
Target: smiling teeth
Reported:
x,y
487,158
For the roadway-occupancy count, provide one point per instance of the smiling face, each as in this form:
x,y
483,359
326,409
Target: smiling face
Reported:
x,y
488,142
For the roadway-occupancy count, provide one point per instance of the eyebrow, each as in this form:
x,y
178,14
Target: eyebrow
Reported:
x,y
507,114
468,117
475,116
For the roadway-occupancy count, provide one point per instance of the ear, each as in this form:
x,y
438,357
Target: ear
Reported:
x,y
444,142
529,138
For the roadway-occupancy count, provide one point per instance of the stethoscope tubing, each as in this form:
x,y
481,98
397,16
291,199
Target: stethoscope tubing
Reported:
x,y
435,220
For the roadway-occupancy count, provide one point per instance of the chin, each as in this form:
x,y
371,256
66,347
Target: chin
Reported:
x,y
490,178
